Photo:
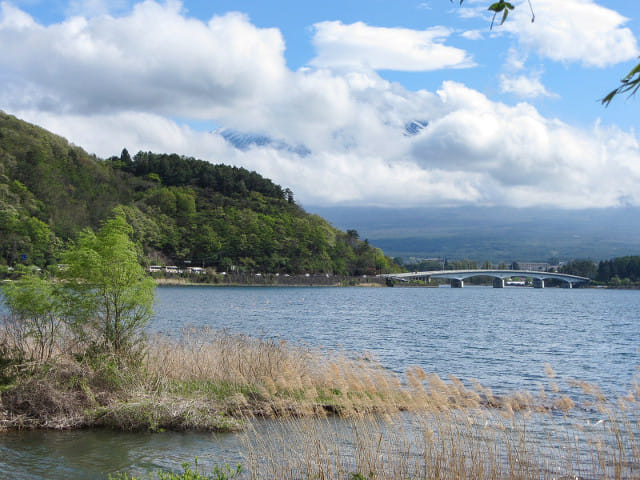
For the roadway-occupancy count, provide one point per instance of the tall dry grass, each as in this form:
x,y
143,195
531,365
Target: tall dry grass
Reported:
x,y
455,443
340,416
391,426
270,377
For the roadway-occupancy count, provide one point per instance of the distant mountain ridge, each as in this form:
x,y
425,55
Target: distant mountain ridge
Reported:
x,y
414,127
494,233
244,141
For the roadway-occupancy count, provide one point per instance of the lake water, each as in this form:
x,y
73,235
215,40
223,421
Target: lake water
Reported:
x,y
501,337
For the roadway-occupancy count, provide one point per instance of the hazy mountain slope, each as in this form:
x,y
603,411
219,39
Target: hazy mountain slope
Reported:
x,y
496,234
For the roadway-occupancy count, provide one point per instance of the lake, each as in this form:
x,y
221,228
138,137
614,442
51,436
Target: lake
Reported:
x,y
501,337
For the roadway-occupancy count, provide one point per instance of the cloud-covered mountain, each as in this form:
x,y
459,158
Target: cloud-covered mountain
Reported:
x,y
337,129
245,141
414,127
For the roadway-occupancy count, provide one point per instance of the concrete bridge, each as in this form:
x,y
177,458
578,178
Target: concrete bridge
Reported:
x,y
458,277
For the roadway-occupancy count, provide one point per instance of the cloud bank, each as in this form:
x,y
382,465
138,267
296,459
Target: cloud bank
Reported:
x,y
574,31
359,45
145,79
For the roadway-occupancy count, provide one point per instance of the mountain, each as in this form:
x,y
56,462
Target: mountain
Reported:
x,y
494,233
414,127
244,141
182,210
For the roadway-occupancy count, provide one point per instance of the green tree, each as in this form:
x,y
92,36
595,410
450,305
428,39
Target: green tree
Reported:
x,y
109,297
34,324
39,235
581,268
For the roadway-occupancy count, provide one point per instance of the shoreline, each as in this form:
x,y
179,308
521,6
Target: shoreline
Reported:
x,y
273,281
355,282
215,381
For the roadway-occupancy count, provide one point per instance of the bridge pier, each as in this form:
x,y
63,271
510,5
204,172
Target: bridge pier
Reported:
x,y
456,277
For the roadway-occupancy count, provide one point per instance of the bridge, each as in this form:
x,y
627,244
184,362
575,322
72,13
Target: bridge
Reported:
x,y
458,277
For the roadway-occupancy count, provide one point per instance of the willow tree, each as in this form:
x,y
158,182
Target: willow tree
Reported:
x,y
108,295
32,329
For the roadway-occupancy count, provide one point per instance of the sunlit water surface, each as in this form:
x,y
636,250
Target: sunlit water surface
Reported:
x,y
501,337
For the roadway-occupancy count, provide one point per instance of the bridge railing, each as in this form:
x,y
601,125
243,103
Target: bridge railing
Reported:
x,y
502,274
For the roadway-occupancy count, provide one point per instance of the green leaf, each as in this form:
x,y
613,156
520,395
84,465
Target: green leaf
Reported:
x,y
497,7
504,15
500,6
630,83
632,73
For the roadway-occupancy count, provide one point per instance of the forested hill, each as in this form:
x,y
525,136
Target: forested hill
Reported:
x,y
181,210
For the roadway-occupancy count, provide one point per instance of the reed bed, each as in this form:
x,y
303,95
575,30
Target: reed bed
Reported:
x,y
336,415
270,377
478,443
339,416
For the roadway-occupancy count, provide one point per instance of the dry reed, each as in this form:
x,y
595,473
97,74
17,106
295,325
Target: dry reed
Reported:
x,y
478,443
340,416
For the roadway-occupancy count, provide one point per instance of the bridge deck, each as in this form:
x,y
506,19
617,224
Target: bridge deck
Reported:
x,y
502,274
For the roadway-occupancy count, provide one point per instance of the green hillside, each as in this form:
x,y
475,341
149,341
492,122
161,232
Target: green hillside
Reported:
x,y
182,210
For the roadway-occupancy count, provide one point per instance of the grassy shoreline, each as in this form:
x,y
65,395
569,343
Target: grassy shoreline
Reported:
x,y
213,380
414,425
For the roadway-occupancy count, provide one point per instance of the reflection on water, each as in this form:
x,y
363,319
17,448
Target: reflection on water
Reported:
x,y
94,454
502,337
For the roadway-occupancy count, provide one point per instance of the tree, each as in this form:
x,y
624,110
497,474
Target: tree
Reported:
x,y
34,325
108,295
581,268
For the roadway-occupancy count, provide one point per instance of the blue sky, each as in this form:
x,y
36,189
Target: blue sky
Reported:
x,y
512,114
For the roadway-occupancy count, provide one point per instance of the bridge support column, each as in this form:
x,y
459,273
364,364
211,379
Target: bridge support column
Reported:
x,y
498,283
568,285
538,283
455,283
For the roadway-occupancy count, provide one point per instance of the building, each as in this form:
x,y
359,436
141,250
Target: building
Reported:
x,y
533,266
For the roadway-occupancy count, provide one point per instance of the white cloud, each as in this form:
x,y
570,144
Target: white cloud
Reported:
x,y
473,34
524,86
154,59
106,83
362,46
574,31
525,159
515,59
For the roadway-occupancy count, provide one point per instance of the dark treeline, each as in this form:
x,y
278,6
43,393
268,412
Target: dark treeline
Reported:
x,y
175,170
614,272
183,211
619,270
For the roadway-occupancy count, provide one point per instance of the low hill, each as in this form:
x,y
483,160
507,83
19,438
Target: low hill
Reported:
x,y
183,210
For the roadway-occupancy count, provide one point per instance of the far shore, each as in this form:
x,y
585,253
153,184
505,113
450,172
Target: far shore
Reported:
x,y
271,280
